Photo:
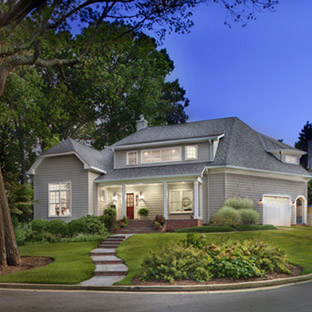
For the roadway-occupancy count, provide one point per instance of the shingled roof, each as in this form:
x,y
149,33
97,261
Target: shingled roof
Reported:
x,y
241,147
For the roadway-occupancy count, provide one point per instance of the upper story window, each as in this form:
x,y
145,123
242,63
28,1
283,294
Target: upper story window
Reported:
x,y
59,199
161,155
290,159
191,152
132,158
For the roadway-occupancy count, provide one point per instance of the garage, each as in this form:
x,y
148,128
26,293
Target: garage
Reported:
x,y
276,210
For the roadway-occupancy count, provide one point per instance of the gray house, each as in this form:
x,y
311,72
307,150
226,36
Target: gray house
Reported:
x,y
183,172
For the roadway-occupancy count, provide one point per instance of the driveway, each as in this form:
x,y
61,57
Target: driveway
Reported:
x,y
291,298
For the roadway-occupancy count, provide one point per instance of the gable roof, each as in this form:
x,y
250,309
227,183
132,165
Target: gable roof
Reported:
x,y
91,158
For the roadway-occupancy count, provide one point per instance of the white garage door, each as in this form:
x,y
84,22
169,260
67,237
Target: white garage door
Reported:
x,y
276,210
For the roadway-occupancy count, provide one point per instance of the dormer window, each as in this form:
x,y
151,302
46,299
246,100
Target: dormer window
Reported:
x,y
291,159
132,158
191,152
161,155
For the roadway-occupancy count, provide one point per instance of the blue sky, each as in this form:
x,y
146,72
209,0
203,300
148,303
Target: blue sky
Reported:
x,y
261,73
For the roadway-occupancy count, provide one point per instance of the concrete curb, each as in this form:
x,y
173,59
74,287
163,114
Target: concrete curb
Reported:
x,y
182,288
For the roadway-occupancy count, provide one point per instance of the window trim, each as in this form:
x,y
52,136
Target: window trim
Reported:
x,y
185,152
70,203
181,212
137,162
159,149
291,162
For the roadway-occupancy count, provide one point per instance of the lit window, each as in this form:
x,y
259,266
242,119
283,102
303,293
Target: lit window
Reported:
x,y
181,201
191,152
59,199
161,155
291,159
132,158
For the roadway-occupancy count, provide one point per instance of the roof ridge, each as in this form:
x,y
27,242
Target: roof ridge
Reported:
x,y
230,141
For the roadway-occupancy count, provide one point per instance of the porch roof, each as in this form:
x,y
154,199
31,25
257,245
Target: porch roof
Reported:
x,y
194,169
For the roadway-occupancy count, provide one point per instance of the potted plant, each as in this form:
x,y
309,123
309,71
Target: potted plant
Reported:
x,y
143,212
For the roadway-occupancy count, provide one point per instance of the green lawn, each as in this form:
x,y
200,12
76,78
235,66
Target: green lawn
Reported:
x,y
296,242
72,264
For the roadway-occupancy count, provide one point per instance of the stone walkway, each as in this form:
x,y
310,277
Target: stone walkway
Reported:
x,y
109,269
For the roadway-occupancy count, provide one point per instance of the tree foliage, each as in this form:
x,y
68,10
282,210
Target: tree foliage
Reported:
x,y
305,136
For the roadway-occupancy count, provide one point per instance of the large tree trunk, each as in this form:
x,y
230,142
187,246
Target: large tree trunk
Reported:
x,y
11,250
3,257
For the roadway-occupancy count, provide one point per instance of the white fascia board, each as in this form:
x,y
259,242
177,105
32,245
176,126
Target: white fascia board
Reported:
x,y
165,143
259,170
287,151
39,160
195,175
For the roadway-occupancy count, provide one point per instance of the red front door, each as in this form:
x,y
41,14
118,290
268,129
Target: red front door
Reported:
x,y
130,205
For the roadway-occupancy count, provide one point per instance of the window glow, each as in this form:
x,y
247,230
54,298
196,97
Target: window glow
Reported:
x,y
132,158
59,199
290,159
161,155
191,152
181,201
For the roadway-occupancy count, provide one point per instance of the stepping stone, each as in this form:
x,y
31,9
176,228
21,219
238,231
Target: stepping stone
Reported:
x,y
102,280
106,260
110,269
108,246
103,251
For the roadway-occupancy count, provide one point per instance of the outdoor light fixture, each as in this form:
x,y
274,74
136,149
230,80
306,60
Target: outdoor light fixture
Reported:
x,y
293,203
141,196
260,201
115,197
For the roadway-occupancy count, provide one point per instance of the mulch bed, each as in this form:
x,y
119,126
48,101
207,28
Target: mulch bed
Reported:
x,y
295,271
28,263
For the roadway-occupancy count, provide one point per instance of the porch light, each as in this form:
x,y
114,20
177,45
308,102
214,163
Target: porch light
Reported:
x,y
260,201
141,196
293,203
115,197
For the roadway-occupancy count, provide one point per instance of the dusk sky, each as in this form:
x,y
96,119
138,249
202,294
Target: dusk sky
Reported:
x,y
261,73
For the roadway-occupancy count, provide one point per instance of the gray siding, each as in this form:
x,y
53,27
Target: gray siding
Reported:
x,y
216,193
205,198
92,191
204,154
58,169
254,188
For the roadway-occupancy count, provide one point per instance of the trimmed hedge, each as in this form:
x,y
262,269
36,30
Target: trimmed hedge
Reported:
x,y
255,227
207,229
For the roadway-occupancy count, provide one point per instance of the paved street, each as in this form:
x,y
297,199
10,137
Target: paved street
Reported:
x,y
291,298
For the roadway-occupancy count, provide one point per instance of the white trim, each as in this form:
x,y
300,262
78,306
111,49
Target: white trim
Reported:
x,y
305,209
137,158
123,200
165,192
258,170
71,193
161,149
195,199
39,160
169,142
185,152
274,195
127,180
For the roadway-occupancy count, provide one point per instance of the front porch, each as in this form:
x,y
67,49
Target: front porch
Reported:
x,y
180,202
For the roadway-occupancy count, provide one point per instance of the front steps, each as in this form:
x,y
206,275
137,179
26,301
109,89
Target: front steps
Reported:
x,y
109,269
138,226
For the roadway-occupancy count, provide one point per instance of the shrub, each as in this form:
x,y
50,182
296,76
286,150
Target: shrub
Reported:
x,y
94,225
248,216
110,211
239,203
175,262
109,217
39,225
160,219
195,258
81,237
207,229
77,226
157,225
143,212
255,227
58,227
20,233
226,216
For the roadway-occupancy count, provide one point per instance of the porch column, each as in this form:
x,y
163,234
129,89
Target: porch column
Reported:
x,y
165,201
123,201
196,199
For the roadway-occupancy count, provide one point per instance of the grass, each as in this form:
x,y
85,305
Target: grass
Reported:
x,y
72,264
296,242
